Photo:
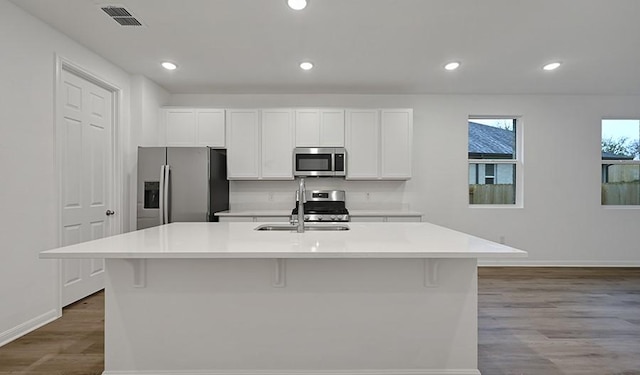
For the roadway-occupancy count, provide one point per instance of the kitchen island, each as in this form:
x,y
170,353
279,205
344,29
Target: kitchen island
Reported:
x,y
222,298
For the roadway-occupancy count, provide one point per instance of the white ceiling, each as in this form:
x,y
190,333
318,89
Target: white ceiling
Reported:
x,y
366,46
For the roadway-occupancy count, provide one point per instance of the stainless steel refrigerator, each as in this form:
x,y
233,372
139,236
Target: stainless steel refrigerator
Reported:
x,y
181,184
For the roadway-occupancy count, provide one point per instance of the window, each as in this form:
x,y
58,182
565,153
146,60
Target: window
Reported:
x,y
494,164
489,174
620,165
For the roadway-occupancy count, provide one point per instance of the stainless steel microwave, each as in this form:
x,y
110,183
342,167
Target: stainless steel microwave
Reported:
x,y
310,161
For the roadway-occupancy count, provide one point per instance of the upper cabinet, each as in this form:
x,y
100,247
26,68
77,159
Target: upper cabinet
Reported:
x,y
277,144
243,144
260,144
319,127
210,127
362,142
194,126
181,126
378,144
396,137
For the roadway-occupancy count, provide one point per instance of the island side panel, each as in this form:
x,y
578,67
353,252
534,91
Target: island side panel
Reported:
x,y
348,315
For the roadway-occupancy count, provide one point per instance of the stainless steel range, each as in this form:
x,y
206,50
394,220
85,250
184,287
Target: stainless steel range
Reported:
x,y
322,205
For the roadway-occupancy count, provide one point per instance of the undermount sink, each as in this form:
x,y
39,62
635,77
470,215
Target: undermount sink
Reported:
x,y
294,228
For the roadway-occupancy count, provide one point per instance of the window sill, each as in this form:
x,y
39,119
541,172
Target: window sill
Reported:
x,y
620,206
500,206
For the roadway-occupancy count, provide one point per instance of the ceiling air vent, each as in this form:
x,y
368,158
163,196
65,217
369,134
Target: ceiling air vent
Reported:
x,y
121,15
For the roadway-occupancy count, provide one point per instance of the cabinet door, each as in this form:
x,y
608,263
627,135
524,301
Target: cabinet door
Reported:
x,y
307,127
210,127
396,128
243,144
362,141
277,144
181,126
332,128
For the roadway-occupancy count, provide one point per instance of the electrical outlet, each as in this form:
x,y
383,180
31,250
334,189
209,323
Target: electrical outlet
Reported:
x,y
502,240
368,196
270,197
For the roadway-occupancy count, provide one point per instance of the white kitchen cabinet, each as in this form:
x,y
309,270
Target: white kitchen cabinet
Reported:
x,y
362,141
260,142
194,127
396,134
210,127
180,126
243,144
378,144
319,127
277,144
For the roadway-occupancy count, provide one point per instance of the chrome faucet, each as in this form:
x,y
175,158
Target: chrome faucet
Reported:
x,y
301,200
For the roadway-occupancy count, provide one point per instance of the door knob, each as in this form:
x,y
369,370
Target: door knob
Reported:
x,y
109,212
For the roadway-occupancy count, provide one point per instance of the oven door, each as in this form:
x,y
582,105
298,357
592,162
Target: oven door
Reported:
x,y
313,162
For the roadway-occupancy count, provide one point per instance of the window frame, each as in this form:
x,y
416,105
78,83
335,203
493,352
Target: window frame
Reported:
x,y
517,162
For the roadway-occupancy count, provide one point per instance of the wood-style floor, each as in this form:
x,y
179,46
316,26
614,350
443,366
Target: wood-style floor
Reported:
x,y
532,321
71,345
553,321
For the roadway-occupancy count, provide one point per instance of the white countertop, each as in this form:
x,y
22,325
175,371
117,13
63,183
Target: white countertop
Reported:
x,y
254,213
287,213
383,213
240,240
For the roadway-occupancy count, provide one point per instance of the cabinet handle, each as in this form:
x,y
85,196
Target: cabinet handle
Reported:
x,y
109,212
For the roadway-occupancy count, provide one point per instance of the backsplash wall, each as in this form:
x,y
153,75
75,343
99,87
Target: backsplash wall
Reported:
x,y
280,195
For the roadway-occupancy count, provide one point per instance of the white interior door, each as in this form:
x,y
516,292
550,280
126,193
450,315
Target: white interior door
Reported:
x,y
86,172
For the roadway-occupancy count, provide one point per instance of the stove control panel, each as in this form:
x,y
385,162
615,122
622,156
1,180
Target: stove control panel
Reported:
x,y
323,217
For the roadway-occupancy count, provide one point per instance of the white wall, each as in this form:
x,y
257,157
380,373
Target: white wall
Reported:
x,y
146,99
28,197
562,221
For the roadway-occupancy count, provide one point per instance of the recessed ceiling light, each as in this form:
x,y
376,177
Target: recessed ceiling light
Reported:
x,y
297,4
169,65
452,65
552,66
306,65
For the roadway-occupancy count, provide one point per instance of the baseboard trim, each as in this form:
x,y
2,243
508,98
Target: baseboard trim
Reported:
x,y
28,326
303,372
559,263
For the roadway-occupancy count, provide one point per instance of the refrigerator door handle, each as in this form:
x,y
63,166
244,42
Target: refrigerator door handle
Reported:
x,y
167,176
162,193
